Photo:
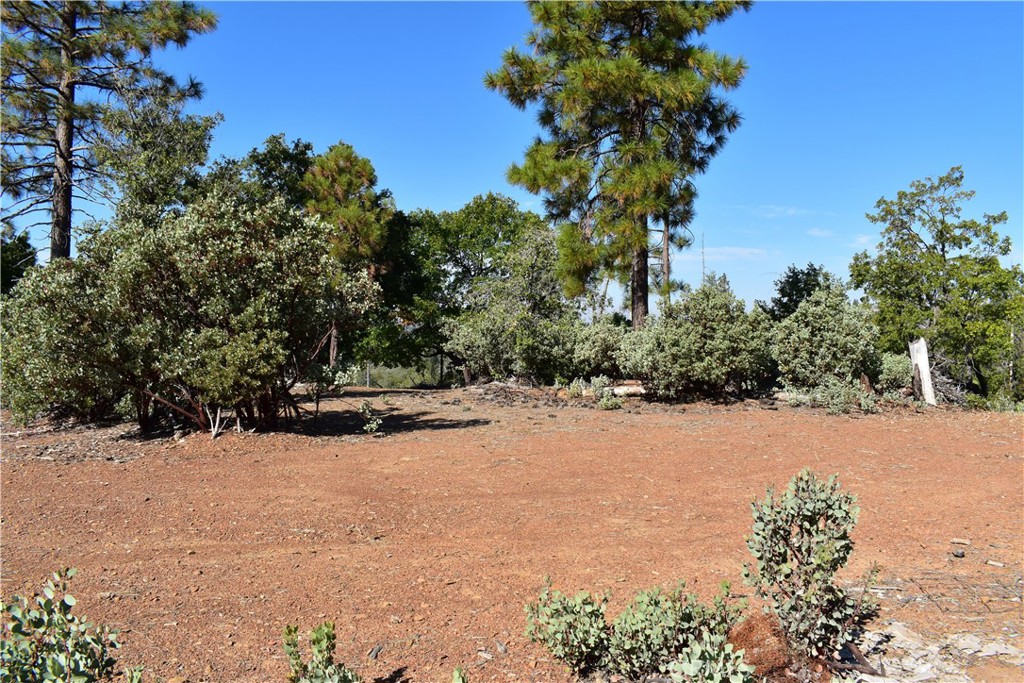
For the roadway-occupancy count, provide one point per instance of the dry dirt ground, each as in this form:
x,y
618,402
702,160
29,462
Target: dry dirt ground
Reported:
x,y
424,544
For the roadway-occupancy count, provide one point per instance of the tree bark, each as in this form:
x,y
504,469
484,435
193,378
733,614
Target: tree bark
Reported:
x,y
63,168
639,285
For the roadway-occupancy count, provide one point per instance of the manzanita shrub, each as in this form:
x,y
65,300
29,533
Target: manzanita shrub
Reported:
x,y
711,660
800,539
43,641
321,667
657,627
573,629
644,640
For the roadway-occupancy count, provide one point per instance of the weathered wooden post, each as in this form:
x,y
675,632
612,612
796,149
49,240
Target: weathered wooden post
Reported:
x,y
922,371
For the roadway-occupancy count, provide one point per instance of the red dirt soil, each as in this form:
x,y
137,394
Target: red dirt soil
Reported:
x,y
428,541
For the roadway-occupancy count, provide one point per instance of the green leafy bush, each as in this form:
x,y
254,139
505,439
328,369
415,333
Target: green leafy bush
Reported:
x,y
596,347
222,306
517,322
649,634
45,642
573,629
321,667
705,345
897,372
710,659
827,337
839,397
658,627
800,539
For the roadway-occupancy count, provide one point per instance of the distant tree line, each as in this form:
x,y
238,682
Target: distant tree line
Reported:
x,y
217,288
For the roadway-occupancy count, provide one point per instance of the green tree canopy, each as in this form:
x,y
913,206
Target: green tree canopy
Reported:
x,y
53,53
629,103
938,275
795,285
16,257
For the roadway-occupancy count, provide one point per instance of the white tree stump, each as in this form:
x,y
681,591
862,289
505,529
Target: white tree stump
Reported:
x,y
922,370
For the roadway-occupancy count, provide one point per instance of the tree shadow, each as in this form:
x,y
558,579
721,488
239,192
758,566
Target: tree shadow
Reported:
x,y
347,422
396,676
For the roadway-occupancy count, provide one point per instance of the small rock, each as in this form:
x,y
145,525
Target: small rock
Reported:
x,y
958,553
966,642
960,541
995,564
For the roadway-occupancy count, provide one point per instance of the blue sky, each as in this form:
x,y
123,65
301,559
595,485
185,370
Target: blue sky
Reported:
x,y
843,103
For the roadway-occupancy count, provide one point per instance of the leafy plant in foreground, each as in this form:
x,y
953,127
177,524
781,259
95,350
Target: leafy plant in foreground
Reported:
x,y
800,539
658,627
573,629
321,667
711,660
45,642
652,632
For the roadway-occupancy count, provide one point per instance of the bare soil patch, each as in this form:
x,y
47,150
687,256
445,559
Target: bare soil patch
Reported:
x,y
423,545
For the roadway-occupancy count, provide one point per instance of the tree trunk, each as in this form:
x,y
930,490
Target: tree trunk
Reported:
x,y
63,168
639,285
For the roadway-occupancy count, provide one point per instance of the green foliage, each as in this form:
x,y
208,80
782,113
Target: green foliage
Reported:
x,y
656,628
64,66
827,338
938,275
43,641
341,186
16,257
321,667
222,306
596,345
608,401
517,323
795,285
800,539
897,372
711,660
705,345
839,397
629,100
574,629
459,676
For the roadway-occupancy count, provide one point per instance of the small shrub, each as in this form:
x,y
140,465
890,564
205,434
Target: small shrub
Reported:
x,y
649,634
573,629
711,660
321,667
576,388
705,345
827,338
800,539
609,401
596,346
897,372
45,642
657,627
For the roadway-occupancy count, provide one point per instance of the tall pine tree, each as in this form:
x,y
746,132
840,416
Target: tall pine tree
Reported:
x,y
632,113
63,63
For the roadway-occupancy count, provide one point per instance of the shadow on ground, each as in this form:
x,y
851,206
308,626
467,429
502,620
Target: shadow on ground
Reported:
x,y
349,422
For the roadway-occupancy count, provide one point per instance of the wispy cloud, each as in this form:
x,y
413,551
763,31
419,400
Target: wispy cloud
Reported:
x,y
820,232
775,211
862,240
717,254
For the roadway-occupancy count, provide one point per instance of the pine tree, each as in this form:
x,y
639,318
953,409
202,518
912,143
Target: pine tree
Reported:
x,y
64,63
632,114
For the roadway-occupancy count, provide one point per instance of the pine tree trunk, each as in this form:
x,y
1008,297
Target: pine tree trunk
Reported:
x,y
639,286
60,229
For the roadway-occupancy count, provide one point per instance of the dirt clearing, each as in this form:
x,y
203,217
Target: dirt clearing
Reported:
x,y
423,545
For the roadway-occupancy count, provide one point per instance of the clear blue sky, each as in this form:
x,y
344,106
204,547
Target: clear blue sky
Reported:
x,y
843,103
